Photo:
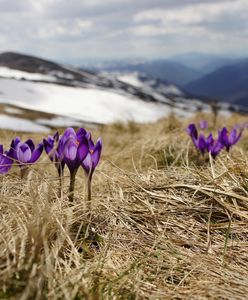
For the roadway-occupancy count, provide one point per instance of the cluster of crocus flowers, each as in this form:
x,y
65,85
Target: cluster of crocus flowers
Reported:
x,y
208,144
71,149
74,150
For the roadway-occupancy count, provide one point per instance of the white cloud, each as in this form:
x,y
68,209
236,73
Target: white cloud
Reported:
x,y
62,28
122,28
194,14
155,30
205,20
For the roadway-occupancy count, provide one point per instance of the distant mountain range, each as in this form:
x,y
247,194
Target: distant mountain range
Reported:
x,y
203,62
228,83
164,69
205,76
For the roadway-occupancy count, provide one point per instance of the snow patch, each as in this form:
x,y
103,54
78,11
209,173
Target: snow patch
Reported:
x,y
14,123
12,110
59,122
17,74
131,78
89,105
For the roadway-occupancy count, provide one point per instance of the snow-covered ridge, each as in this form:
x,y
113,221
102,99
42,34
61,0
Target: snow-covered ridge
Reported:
x,y
77,96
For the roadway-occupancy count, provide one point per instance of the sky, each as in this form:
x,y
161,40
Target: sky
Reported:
x,y
86,30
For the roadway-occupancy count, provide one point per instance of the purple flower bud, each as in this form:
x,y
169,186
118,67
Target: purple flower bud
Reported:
x,y
192,131
92,159
52,147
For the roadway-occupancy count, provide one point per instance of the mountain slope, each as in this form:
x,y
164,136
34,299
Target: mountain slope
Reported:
x,y
80,96
229,83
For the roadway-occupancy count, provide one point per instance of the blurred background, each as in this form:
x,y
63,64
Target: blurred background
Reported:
x,y
71,62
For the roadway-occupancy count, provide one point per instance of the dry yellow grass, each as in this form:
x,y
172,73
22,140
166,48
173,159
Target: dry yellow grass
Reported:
x,y
165,224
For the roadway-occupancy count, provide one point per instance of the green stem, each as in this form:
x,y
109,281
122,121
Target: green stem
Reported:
x,y
72,186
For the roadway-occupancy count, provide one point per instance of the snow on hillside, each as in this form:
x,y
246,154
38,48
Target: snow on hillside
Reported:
x,y
17,74
131,78
142,81
90,105
98,100
14,123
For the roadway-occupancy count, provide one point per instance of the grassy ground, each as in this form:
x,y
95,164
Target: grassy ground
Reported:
x,y
164,224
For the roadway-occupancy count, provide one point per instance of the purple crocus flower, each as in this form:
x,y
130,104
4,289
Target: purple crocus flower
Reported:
x,y
5,161
74,147
91,161
25,152
54,150
229,139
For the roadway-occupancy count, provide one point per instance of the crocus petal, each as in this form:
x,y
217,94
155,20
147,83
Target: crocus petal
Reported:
x,y
69,133
5,164
223,136
1,149
13,146
56,136
83,149
203,124
15,142
201,144
81,132
209,142
70,149
91,144
234,137
216,149
23,153
192,131
31,145
97,153
36,153
48,145
63,141
87,163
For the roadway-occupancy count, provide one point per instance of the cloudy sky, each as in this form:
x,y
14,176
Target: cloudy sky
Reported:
x,y
79,30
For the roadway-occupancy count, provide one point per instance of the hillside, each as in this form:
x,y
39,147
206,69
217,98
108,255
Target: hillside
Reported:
x,y
164,223
229,83
73,96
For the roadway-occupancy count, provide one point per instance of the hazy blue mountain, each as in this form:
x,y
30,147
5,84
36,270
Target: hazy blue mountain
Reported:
x,y
229,83
203,62
163,69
